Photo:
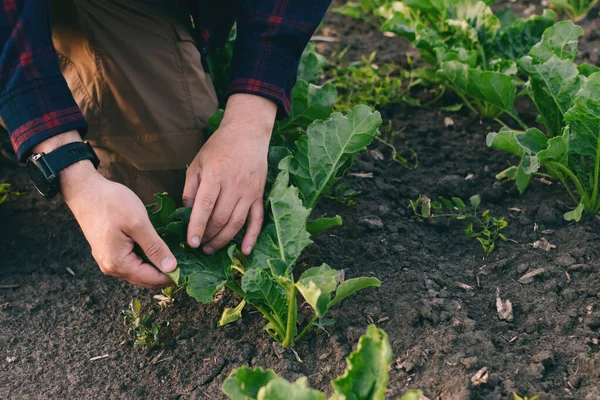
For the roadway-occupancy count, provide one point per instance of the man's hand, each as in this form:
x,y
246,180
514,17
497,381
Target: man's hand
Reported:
x,y
226,181
113,218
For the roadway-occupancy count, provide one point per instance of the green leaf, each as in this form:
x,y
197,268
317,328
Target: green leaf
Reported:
x,y
262,290
508,173
203,275
584,119
232,314
244,383
311,64
366,373
320,225
505,140
517,39
459,203
309,103
413,394
281,389
214,121
575,214
494,88
587,69
351,286
475,201
316,285
284,236
559,40
552,86
326,151
161,210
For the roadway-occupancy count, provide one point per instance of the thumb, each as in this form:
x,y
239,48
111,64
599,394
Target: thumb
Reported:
x,y
154,247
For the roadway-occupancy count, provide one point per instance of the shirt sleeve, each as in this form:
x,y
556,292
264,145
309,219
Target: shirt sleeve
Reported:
x,y
272,35
35,100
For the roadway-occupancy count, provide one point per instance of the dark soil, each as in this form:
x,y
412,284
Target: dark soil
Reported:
x,y
53,322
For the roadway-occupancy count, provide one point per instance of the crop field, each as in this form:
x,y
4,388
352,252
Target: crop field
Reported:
x,y
432,220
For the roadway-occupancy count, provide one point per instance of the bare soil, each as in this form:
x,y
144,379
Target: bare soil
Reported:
x,y
52,322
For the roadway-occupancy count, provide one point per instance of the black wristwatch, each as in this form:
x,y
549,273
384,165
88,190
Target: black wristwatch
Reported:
x,y
44,168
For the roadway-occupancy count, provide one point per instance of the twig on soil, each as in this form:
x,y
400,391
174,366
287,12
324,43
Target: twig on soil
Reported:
x,y
100,357
9,286
70,271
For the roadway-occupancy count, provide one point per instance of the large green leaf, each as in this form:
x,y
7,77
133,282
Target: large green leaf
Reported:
x,y
316,285
284,236
351,286
262,290
309,102
281,389
311,64
366,374
559,40
244,383
552,86
490,87
584,120
516,40
328,148
320,225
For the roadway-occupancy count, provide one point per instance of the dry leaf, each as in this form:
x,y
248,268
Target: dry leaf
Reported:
x,y
376,155
367,175
529,277
469,176
464,286
543,244
480,377
504,308
448,122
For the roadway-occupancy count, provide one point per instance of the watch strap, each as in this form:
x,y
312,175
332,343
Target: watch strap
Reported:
x,y
70,154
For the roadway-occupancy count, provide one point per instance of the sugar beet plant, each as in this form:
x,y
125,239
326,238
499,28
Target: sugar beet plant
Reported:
x,y
471,50
575,9
310,152
366,377
567,97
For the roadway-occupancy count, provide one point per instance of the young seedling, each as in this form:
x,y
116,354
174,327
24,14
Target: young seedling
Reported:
x,y
471,49
143,327
483,227
534,397
567,97
575,9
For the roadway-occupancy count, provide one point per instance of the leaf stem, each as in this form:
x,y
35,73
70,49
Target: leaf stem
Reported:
x,y
292,318
306,329
582,193
234,287
276,324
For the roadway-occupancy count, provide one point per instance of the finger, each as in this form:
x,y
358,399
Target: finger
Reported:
x,y
190,189
142,274
221,215
153,246
204,203
255,221
234,225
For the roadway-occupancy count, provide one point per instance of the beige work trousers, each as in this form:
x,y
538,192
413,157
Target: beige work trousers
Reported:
x,y
135,72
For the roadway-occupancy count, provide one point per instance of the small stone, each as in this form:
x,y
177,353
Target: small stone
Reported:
x,y
565,260
545,357
374,223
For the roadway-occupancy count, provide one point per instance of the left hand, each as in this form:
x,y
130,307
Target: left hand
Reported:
x,y
226,181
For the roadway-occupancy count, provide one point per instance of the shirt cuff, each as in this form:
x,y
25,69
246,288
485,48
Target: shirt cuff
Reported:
x,y
39,110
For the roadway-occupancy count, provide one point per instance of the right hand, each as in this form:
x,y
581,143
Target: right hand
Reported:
x,y
113,219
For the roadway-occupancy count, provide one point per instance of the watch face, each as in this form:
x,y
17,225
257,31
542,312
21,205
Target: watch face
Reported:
x,y
45,186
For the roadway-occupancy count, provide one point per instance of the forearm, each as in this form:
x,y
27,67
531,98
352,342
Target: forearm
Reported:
x,y
255,112
72,179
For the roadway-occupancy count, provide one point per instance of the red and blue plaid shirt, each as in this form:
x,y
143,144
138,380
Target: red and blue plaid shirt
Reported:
x,y
36,103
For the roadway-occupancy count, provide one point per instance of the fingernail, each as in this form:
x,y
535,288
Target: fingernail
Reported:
x,y
168,264
248,250
209,250
195,242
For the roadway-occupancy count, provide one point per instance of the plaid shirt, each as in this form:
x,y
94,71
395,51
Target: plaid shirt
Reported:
x,y
36,103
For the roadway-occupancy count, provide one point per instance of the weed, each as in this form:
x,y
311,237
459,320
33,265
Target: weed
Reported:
x,y
483,227
147,332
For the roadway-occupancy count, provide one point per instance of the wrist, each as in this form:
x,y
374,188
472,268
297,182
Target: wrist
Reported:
x,y
252,111
57,141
